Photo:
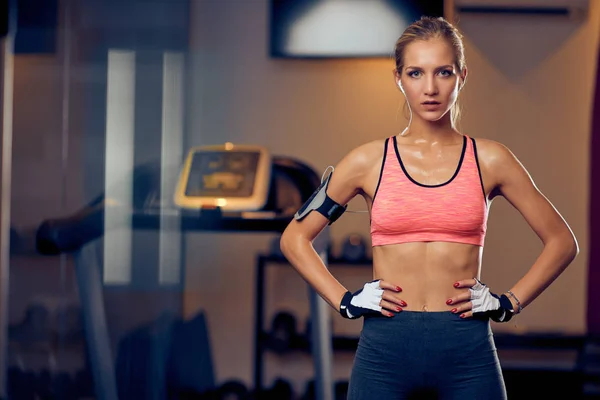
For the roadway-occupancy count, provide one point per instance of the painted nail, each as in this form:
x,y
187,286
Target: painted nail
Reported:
x,y
398,288
398,309
454,310
462,315
449,301
456,284
403,304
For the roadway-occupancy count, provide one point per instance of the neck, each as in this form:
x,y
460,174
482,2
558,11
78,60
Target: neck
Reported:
x,y
430,131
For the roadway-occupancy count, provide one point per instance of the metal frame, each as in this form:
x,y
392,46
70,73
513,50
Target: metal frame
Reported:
x,y
6,82
96,330
319,310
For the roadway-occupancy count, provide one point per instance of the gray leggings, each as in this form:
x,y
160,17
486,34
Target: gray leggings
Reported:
x,y
426,355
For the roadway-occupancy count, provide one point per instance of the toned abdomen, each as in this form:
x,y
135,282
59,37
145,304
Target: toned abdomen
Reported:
x,y
426,272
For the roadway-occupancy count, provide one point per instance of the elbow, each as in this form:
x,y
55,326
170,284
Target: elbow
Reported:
x,y
565,248
286,244
291,244
571,247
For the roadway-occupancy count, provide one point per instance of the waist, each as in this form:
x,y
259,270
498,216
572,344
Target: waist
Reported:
x,y
426,272
408,334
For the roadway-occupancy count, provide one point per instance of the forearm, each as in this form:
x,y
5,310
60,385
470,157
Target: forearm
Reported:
x,y
302,256
556,256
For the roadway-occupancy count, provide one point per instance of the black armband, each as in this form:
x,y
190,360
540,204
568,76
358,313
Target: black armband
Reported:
x,y
319,201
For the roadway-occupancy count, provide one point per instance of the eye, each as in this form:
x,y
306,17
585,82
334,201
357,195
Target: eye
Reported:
x,y
446,72
413,74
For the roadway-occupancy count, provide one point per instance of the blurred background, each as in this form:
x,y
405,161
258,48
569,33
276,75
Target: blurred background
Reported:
x,y
113,287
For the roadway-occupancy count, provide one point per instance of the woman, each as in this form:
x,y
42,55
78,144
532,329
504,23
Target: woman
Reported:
x,y
428,190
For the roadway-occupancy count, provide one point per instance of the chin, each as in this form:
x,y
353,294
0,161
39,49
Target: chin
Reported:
x,y
432,116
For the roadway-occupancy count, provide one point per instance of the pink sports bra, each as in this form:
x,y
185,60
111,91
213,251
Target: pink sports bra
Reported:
x,y
405,210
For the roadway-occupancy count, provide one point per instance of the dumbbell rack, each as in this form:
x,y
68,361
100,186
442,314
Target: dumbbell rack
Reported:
x,y
261,336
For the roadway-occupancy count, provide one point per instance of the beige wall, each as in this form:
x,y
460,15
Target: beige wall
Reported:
x,y
542,111
530,87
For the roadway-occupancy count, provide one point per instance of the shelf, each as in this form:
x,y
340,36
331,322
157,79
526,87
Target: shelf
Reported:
x,y
302,343
515,355
503,342
208,222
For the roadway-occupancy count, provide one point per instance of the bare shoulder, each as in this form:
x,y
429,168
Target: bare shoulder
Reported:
x,y
360,159
367,153
494,155
355,169
501,167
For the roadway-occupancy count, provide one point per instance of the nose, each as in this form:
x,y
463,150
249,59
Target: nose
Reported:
x,y
431,86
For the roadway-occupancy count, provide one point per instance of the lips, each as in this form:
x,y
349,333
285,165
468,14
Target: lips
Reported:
x,y
433,103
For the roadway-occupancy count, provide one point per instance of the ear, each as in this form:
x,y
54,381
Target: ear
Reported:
x,y
463,78
397,80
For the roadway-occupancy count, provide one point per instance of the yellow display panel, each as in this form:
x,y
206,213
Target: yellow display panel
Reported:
x,y
232,177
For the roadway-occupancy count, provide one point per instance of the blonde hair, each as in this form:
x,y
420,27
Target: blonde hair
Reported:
x,y
432,28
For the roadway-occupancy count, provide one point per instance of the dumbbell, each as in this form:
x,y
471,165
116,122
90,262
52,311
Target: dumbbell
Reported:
x,y
191,394
283,331
233,390
340,390
281,390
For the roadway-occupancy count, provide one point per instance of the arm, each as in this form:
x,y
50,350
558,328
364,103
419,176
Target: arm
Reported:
x,y
296,242
514,183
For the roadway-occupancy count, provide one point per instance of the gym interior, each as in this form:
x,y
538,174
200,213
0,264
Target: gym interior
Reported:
x,y
136,263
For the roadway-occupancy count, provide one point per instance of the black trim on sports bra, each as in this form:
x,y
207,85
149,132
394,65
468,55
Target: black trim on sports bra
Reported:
x,y
460,161
479,170
385,150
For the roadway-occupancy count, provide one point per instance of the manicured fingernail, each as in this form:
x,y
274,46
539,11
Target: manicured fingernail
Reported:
x,y
403,304
462,315
449,301
398,309
454,310
398,288
455,284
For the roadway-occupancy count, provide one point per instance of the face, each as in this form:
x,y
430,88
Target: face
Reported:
x,y
430,79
